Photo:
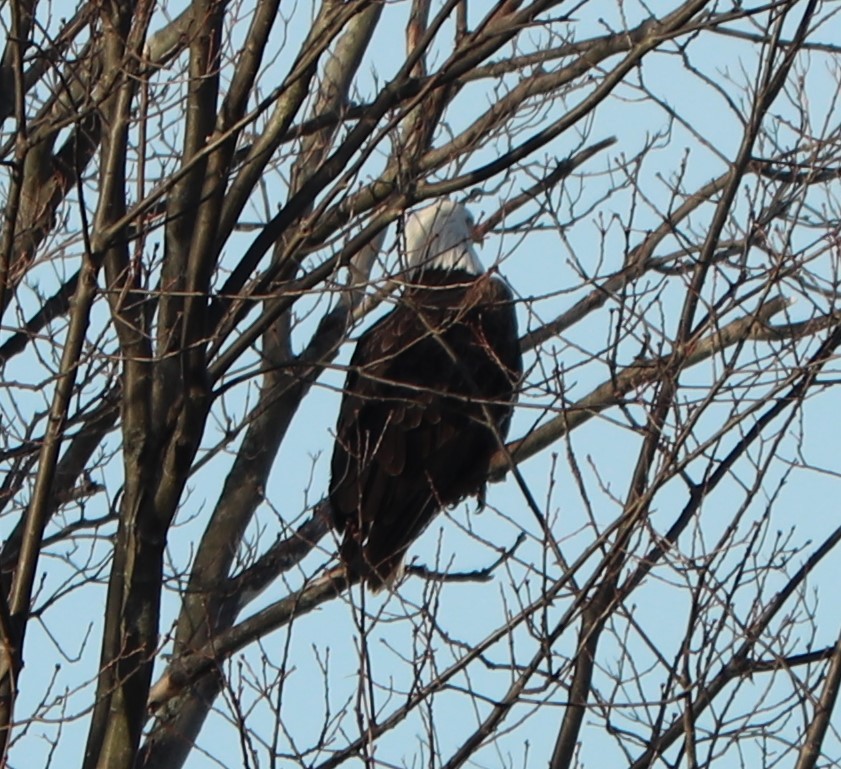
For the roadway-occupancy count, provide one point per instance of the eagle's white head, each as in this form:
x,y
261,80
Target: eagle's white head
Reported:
x,y
441,236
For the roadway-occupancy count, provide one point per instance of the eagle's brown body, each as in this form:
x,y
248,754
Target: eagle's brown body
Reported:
x,y
427,400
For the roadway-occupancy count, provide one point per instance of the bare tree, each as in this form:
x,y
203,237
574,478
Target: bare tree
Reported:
x,y
202,203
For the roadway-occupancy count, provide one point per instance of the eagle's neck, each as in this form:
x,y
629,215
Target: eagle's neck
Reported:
x,y
458,259
461,258
437,278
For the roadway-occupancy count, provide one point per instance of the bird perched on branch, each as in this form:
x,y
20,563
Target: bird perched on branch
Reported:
x,y
428,396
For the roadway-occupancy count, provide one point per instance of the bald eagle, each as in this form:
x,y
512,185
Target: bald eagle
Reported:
x,y
428,397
